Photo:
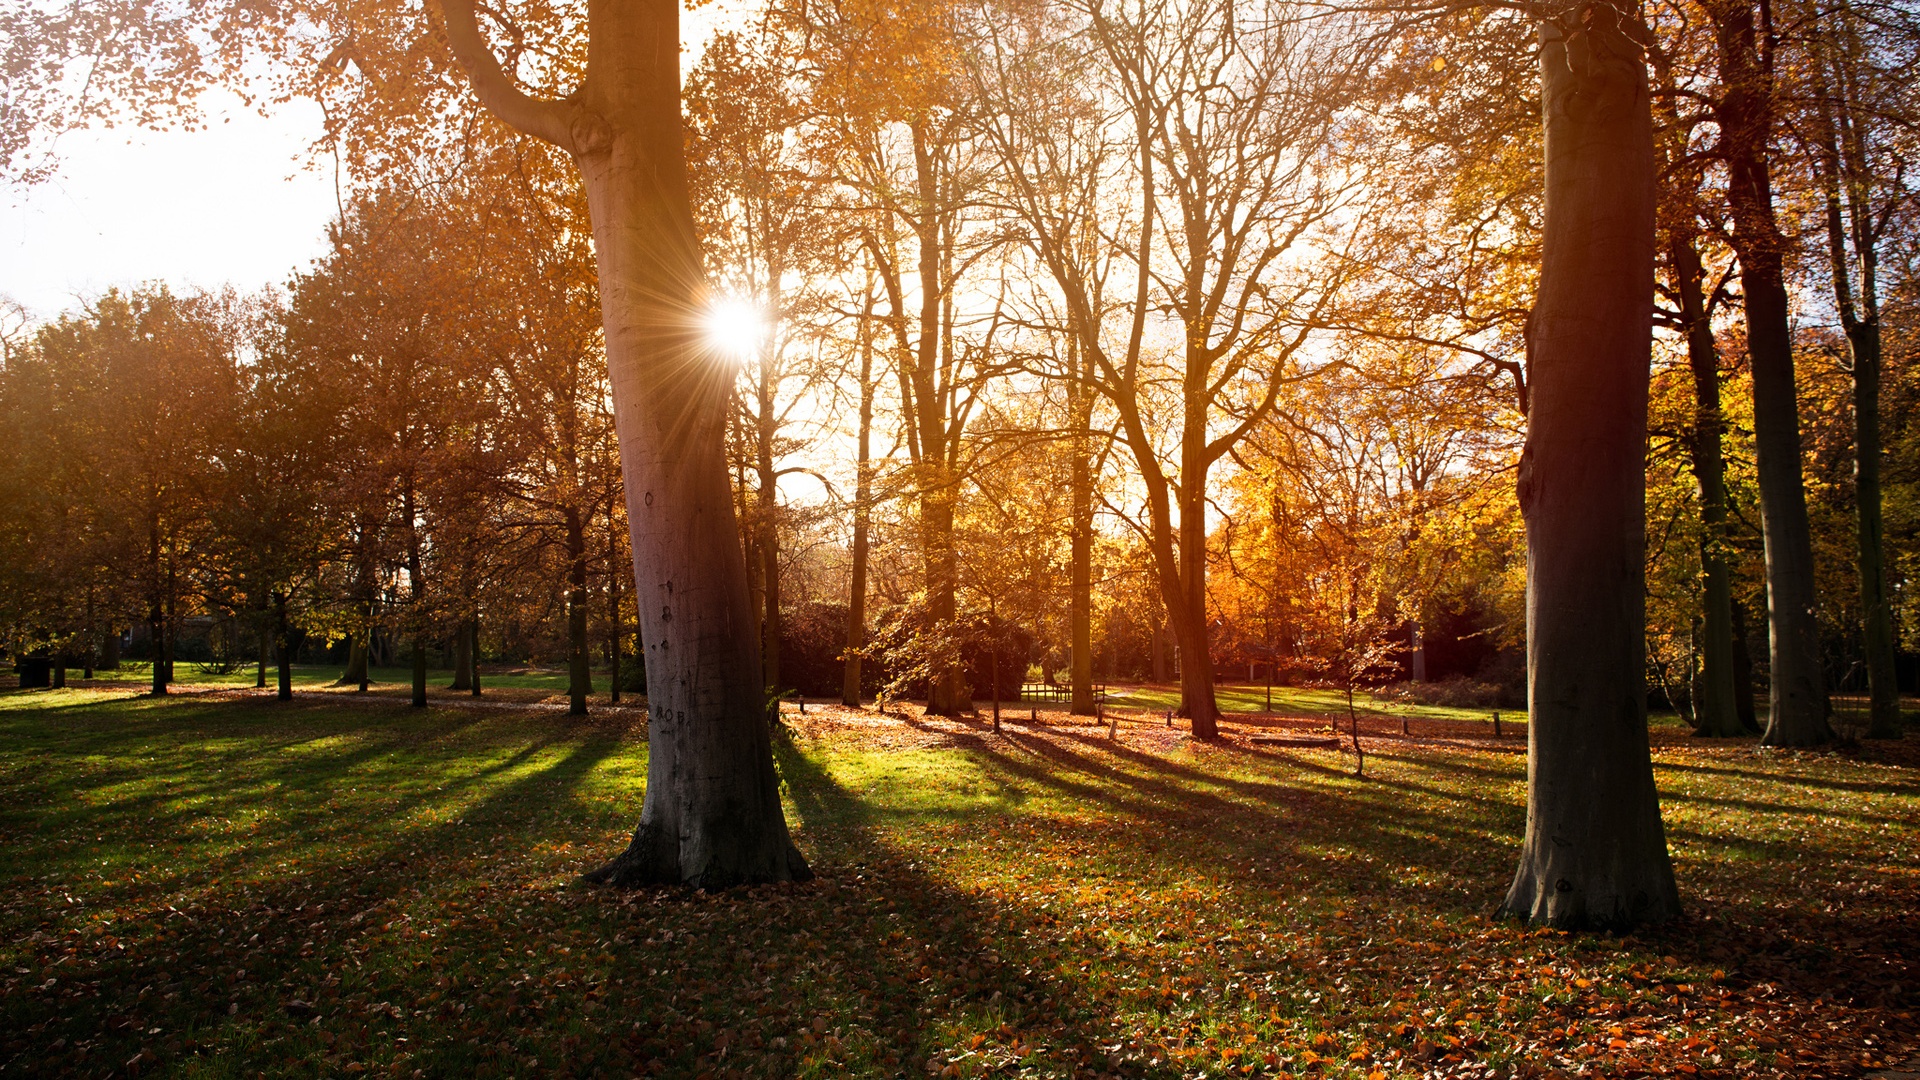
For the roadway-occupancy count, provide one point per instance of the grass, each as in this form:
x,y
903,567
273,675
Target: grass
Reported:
x,y
1306,701
189,675
216,884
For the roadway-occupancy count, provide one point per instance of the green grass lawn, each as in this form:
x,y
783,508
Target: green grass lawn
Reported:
x,y
219,884
190,676
1304,701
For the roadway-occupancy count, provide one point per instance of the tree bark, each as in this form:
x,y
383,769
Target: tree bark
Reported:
x,y
615,633
1848,182
712,815
462,658
850,678
1595,853
473,648
265,649
282,648
1080,584
579,675
110,650
1797,697
416,595
1716,712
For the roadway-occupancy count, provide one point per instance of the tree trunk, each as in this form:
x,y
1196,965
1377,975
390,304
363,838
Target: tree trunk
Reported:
x,y
1797,697
1743,694
850,677
473,650
1080,586
110,650
416,595
712,815
1715,707
579,676
282,648
1876,608
1595,853
1189,614
1860,316
265,639
462,659
615,633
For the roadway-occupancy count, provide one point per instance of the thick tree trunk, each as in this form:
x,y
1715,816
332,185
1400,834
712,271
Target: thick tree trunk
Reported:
x,y
1595,853
110,650
1715,709
1797,695
712,815
579,676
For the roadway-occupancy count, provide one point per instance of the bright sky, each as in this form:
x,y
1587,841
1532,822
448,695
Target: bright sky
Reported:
x,y
238,203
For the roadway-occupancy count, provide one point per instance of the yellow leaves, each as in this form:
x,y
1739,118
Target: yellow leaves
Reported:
x,y
1439,64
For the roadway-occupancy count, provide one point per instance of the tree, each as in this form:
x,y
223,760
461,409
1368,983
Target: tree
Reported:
x,y
1857,67
1595,853
712,815
1223,117
1745,113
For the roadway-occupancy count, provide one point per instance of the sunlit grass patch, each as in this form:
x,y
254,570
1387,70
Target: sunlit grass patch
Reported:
x,y
220,886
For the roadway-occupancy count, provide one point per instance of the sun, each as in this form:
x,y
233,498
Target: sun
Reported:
x,y
735,327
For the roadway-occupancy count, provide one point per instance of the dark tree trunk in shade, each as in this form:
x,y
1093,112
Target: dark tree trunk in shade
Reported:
x,y
1716,710
263,633
1852,247
616,634
473,650
110,650
417,594
1080,530
282,648
463,660
579,675
1595,853
850,676
1797,697
1743,691
712,815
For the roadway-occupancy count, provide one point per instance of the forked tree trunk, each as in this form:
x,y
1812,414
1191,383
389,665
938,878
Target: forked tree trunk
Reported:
x,y
1595,853
712,815
1797,693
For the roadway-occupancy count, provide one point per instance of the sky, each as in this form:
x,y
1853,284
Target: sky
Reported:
x,y
240,203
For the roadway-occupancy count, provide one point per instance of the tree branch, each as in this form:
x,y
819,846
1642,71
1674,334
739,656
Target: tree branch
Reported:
x,y
553,121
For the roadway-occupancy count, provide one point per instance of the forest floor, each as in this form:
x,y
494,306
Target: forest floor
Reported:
x,y
218,884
